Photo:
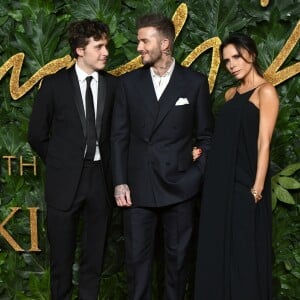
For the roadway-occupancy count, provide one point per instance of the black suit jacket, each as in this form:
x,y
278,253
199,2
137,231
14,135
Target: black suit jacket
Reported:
x,y
152,140
57,132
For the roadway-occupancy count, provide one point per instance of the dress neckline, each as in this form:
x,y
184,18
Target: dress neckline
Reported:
x,y
250,89
245,92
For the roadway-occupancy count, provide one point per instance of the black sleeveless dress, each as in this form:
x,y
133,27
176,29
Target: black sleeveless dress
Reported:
x,y
234,245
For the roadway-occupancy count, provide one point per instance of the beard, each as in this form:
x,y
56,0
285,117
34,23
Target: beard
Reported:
x,y
151,58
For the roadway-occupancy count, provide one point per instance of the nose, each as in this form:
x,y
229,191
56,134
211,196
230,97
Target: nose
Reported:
x,y
230,64
105,51
139,47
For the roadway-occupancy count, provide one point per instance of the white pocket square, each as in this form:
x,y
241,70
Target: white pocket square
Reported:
x,y
182,101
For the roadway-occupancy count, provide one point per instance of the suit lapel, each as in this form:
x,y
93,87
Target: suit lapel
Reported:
x,y
78,98
102,85
170,95
148,93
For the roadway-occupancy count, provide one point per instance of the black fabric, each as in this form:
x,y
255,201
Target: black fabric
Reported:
x,y
234,246
92,205
90,121
140,227
152,141
73,187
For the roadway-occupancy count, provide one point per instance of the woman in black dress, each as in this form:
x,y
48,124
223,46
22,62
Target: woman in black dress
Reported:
x,y
234,246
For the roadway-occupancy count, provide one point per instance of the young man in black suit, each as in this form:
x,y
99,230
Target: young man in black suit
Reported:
x,y
161,111
70,130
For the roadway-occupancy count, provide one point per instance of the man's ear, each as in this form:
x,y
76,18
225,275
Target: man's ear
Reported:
x,y
165,45
80,51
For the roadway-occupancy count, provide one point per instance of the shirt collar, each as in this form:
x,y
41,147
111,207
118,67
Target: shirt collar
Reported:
x,y
168,73
83,75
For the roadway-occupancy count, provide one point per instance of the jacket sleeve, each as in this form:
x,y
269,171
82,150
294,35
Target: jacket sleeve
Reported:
x,y
41,120
120,135
204,123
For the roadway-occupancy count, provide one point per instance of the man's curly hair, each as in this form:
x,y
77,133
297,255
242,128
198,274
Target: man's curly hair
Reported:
x,y
81,31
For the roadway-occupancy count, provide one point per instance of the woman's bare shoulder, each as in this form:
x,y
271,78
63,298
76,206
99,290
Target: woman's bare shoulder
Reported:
x,y
230,93
267,92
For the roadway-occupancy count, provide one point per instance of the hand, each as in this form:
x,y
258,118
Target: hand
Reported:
x,y
257,195
196,153
122,195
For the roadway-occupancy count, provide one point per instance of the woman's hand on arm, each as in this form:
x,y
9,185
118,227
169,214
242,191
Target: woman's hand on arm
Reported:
x,y
269,107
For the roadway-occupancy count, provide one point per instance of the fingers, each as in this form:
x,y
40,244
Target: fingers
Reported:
x,y
123,201
256,195
128,198
122,195
196,153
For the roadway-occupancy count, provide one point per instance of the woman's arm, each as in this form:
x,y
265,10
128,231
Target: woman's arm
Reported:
x,y
268,106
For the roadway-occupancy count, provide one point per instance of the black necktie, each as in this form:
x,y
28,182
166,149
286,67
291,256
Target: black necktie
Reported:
x,y
90,121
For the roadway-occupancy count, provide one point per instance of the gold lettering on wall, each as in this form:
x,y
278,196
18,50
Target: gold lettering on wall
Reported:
x,y
33,230
213,43
5,233
9,158
179,18
15,62
272,74
264,3
22,165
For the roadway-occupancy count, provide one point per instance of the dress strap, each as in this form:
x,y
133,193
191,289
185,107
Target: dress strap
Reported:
x,y
251,90
260,85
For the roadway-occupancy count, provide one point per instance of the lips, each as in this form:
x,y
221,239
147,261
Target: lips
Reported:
x,y
235,73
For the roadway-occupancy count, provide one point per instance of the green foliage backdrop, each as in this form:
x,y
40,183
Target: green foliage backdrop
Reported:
x,y
38,28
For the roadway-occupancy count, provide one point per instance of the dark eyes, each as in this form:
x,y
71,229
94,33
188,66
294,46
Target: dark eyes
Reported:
x,y
236,56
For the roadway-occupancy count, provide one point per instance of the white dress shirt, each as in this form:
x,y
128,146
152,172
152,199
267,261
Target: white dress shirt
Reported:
x,y
81,75
160,82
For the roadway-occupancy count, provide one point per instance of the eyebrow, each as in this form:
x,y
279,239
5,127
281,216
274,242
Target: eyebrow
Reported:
x,y
101,43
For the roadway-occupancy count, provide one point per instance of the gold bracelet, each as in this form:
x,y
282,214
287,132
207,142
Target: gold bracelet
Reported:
x,y
255,194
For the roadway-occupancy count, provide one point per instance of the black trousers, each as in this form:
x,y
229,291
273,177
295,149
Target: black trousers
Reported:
x,y
91,203
139,232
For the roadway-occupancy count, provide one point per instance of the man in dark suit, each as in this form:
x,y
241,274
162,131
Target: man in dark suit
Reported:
x,y
70,130
161,111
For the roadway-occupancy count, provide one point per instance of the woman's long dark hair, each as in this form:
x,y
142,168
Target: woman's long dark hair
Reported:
x,y
241,41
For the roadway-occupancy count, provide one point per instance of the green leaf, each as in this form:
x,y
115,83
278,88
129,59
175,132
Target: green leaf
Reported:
x,y
120,40
20,183
288,265
288,182
296,274
290,170
297,255
283,195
